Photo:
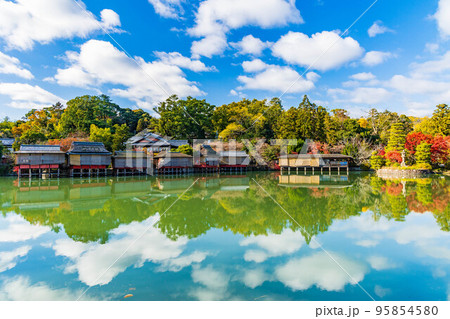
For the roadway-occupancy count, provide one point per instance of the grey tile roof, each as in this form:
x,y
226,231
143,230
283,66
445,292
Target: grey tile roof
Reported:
x,y
24,149
88,148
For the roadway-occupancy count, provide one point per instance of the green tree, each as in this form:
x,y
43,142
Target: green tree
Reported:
x,y
84,111
102,135
377,161
397,137
307,121
423,154
184,119
185,149
120,136
441,119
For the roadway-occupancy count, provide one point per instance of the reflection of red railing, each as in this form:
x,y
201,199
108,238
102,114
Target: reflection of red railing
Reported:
x,y
88,167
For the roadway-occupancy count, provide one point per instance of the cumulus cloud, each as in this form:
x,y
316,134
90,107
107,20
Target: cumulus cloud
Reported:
x,y
215,18
12,65
255,65
272,245
360,95
251,45
20,288
373,58
9,259
176,58
91,260
442,17
380,263
322,51
321,271
25,22
276,79
363,76
377,28
167,8
214,283
253,278
17,229
26,96
145,83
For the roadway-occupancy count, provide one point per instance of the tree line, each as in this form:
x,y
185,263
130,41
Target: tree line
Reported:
x,y
98,118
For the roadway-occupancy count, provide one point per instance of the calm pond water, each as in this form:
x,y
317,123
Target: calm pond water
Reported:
x,y
225,238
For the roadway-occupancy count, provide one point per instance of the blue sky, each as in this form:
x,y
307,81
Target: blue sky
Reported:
x,y
396,56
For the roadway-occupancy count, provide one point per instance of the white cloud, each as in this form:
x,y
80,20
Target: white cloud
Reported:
x,y
176,264
214,283
432,47
9,259
377,28
273,245
381,292
442,17
21,289
373,58
276,78
255,65
209,46
360,95
175,58
431,68
321,271
167,8
322,51
145,83
18,229
26,96
253,278
363,76
251,45
215,18
380,263
417,85
90,260
11,65
25,22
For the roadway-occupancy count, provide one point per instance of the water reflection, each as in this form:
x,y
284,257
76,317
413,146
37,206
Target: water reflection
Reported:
x,y
223,234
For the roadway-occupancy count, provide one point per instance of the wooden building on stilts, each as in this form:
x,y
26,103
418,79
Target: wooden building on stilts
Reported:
x,y
132,162
207,160
234,161
173,163
314,162
39,160
88,159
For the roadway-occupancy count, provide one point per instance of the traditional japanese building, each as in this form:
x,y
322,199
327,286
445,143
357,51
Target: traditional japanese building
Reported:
x,y
39,160
234,161
153,142
132,162
206,159
88,158
314,161
173,163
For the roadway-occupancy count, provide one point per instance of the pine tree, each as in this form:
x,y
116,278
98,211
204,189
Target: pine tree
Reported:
x,y
397,137
423,154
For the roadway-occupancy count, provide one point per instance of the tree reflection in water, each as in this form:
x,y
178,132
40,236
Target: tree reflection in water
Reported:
x,y
88,210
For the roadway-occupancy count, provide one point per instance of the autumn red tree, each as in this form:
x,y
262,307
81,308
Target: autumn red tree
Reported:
x,y
414,139
440,149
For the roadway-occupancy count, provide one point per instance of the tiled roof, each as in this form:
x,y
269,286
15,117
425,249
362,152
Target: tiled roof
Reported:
x,y
39,149
88,148
7,141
